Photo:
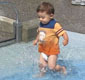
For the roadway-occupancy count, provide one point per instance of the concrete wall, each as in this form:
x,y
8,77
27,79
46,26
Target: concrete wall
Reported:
x,y
6,28
29,29
71,17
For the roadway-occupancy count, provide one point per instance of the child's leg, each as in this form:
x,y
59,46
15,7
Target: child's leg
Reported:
x,y
43,63
52,64
42,66
61,68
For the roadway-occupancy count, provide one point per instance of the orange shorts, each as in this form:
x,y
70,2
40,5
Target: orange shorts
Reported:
x,y
49,49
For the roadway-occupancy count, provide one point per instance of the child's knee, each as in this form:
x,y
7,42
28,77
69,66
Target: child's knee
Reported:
x,y
42,65
52,67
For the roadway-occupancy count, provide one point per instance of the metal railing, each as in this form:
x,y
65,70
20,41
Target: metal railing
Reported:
x,y
17,26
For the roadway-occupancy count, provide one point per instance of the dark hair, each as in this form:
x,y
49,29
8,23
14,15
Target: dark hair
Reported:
x,y
46,6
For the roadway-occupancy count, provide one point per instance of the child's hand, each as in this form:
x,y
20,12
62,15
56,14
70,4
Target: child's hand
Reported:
x,y
65,42
35,42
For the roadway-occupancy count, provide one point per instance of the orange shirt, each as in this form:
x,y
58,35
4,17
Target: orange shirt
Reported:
x,y
49,39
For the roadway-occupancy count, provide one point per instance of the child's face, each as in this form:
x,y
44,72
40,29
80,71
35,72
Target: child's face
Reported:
x,y
44,17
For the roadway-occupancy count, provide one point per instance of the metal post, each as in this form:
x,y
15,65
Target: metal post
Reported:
x,y
18,31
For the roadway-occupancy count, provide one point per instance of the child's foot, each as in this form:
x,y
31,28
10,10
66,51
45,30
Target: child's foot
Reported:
x,y
41,74
64,70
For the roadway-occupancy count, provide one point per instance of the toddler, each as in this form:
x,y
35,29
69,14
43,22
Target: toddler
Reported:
x,y
47,38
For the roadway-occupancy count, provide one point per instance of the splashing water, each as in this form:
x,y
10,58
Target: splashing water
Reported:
x,y
20,61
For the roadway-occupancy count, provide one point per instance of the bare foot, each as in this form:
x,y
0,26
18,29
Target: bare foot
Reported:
x,y
64,70
41,74
42,71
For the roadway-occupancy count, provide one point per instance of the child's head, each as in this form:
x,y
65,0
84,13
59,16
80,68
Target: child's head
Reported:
x,y
45,12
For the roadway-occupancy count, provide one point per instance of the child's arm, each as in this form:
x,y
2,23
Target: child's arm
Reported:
x,y
66,39
37,38
60,32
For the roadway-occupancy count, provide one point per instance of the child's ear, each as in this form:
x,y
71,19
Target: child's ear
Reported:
x,y
51,16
